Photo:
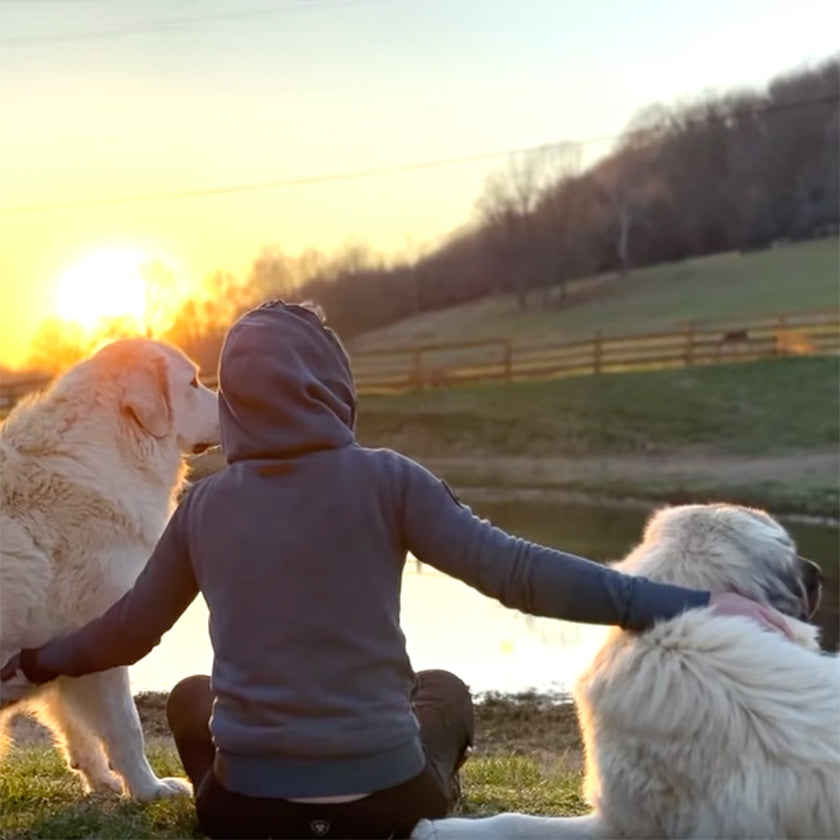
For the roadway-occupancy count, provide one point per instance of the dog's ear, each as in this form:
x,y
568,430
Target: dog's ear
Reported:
x,y
146,397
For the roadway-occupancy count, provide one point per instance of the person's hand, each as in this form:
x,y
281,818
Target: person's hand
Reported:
x,y
731,603
13,682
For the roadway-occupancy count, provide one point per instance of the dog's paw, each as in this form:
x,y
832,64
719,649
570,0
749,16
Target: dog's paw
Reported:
x,y
424,830
108,783
166,788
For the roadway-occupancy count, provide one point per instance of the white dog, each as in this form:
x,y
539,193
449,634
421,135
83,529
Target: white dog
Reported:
x,y
89,475
705,726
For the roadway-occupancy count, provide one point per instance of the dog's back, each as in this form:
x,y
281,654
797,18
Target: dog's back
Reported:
x,y
709,726
90,475
67,553
706,725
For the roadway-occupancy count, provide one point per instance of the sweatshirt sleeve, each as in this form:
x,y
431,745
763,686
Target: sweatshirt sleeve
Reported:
x,y
134,624
442,532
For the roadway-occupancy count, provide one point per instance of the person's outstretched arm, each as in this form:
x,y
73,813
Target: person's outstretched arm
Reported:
x,y
542,581
130,628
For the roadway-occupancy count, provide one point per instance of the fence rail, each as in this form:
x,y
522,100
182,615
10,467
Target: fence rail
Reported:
x,y
394,369
412,368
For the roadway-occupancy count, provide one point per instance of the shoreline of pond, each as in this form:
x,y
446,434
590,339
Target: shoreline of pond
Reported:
x,y
497,493
505,723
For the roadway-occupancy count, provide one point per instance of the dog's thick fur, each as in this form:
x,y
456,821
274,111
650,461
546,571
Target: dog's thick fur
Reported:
x,y
706,725
89,475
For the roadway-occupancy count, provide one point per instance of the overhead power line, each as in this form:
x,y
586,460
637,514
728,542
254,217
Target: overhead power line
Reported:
x,y
354,174
186,23
306,180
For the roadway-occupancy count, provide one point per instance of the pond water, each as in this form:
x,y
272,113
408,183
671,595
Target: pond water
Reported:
x,y
449,625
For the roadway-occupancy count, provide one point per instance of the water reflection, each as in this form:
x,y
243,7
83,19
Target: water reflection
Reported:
x,y
449,625
607,532
492,648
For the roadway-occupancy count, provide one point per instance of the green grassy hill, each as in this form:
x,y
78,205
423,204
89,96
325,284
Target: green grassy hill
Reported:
x,y
798,278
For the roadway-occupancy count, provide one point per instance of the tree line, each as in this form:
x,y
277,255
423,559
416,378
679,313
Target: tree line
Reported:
x,y
734,171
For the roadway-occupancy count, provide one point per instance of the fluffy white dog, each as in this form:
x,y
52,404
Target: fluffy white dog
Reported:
x,y
89,475
705,726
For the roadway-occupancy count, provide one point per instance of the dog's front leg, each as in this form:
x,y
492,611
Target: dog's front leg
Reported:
x,y
81,747
105,703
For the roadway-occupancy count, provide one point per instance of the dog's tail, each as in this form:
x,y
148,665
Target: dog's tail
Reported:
x,y
512,827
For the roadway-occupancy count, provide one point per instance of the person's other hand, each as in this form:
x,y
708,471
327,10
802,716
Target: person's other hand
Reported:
x,y
731,603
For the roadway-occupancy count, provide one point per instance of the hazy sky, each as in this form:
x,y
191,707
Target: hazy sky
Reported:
x,y
102,99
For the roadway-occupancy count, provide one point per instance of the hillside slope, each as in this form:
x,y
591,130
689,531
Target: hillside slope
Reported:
x,y
797,278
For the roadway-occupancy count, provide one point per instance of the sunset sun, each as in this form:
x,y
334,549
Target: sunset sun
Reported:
x,y
107,284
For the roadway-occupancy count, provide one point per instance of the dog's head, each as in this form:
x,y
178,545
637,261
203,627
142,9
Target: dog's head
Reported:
x,y
728,548
157,392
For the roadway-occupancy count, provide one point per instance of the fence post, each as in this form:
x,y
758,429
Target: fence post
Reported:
x,y
416,368
508,354
781,347
596,361
689,343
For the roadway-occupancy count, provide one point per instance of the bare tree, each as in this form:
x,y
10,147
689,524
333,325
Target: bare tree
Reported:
x,y
312,265
57,345
161,297
273,275
561,241
508,204
354,257
629,181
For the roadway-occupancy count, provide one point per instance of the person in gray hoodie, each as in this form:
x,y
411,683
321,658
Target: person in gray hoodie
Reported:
x,y
314,723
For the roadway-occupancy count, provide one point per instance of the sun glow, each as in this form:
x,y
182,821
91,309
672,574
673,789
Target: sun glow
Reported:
x,y
107,284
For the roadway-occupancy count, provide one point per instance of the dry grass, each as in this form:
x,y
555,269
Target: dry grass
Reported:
x,y
527,757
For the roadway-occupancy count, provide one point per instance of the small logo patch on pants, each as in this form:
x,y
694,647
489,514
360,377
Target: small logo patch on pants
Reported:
x,y
319,827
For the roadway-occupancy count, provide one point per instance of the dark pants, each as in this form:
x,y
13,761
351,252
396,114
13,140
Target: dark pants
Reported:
x,y
443,707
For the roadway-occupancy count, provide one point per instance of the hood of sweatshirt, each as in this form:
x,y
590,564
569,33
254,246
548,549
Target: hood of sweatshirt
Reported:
x,y
285,386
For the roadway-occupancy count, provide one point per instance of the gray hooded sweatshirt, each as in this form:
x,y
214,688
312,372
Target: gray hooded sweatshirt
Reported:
x,y
298,547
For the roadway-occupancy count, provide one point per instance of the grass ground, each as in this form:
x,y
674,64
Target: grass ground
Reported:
x,y
730,287
787,404
527,756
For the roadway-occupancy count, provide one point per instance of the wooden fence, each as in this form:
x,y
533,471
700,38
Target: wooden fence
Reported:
x,y
504,360
433,365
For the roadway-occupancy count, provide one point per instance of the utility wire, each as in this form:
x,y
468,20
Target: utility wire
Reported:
x,y
307,180
415,166
223,133
185,23
172,24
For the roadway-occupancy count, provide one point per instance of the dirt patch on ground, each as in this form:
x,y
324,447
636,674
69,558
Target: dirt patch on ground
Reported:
x,y
151,706
529,724
802,484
